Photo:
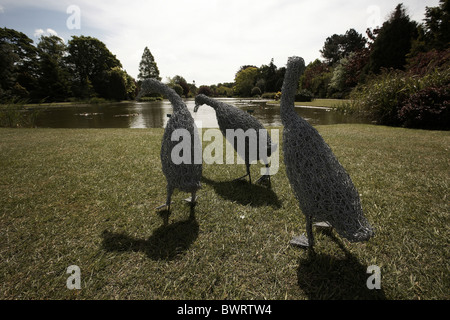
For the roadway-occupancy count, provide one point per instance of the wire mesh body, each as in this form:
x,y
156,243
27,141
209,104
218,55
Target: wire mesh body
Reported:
x,y
184,176
320,183
231,117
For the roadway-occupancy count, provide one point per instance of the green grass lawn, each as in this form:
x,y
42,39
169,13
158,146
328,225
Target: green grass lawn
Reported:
x,y
86,197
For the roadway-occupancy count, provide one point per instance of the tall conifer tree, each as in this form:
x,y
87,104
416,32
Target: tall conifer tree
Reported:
x,y
147,66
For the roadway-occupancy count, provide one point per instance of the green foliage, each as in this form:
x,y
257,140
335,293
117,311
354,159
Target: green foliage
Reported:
x,y
90,60
96,100
148,67
304,96
338,47
267,78
150,99
316,78
53,79
437,26
269,95
180,81
245,81
117,84
427,108
206,90
224,91
178,89
15,115
396,98
393,41
255,91
18,64
425,62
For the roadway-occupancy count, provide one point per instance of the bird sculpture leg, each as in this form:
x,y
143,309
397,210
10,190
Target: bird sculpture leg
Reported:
x,y
248,173
265,178
305,241
168,201
193,199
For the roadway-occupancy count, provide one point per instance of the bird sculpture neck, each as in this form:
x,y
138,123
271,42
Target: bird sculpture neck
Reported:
x,y
207,100
169,93
295,68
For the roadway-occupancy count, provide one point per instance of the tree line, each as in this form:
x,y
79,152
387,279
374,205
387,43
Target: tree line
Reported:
x,y
351,59
84,68
53,71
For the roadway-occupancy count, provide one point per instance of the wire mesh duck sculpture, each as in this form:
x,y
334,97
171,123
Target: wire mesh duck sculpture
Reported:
x,y
323,188
186,175
231,117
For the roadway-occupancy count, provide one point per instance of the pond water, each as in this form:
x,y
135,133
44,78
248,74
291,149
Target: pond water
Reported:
x,y
156,114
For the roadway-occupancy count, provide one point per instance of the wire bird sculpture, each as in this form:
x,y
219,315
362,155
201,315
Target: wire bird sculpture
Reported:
x,y
186,175
230,117
321,185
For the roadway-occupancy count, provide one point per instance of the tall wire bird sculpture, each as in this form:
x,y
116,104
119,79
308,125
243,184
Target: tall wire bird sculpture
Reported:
x,y
184,175
323,188
231,117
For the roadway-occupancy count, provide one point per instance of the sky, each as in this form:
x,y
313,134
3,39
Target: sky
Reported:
x,y
205,41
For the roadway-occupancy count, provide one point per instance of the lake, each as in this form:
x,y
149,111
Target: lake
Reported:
x,y
134,114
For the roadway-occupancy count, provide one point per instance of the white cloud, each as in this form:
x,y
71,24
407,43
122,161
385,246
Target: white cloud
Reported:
x,y
48,32
2,10
51,32
38,33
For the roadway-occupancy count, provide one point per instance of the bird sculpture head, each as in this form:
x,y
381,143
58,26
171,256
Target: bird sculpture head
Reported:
x,y
353,225
199,100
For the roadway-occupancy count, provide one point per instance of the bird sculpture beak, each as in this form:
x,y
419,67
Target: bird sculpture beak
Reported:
x,y
196,107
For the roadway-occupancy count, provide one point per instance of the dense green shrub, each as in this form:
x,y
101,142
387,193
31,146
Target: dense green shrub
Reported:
x,y
150,99
269,95
427,108
256,91
17,116
398,98
304,96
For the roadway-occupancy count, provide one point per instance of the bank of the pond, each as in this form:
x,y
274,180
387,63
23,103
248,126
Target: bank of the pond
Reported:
x,y
324,103
132,114
87,198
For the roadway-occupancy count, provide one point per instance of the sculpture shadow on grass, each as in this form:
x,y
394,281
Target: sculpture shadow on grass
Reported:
x,y
244,193
325,277
166,242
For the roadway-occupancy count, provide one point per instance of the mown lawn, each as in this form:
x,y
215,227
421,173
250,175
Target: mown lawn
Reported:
x,y
86,197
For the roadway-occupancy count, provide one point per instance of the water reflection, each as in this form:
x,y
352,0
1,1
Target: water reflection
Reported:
x,y
155,114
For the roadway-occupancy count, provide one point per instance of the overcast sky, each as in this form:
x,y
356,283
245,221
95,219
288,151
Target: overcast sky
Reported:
x,y
205,41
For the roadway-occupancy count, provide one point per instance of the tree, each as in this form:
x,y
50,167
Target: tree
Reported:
x,y
347,73
316,78
337,46
53,79
117,84
393,41
89,61
267,77
180,81
147,67
437,26
206,90
245,80
18,63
